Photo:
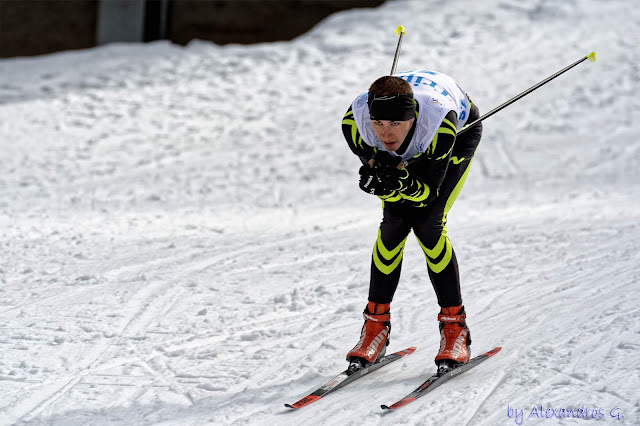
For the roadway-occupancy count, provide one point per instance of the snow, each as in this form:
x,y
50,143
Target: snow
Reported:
x,y
183,241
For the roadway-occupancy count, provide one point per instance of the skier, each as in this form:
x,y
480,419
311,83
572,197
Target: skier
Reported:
x,y
404,132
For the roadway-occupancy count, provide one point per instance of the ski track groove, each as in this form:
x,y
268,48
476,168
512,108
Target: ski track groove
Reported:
x,y
502,376
589,385
62,390
132,323
512,166
31,302
156,298
162,296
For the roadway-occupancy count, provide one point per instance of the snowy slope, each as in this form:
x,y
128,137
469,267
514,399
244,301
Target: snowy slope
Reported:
x,y
183,242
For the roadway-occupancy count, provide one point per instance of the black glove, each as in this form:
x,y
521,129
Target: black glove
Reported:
x,y
385,159
370,181
394,179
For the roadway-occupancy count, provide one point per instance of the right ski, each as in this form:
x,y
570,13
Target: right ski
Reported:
x,y
345,378
437,379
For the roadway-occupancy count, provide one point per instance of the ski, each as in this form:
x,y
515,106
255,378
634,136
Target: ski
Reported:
x,y
345,378
437,379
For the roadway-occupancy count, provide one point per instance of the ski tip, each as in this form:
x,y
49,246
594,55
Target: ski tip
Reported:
x,y
304,401
592,56
494,351
404,401
410,350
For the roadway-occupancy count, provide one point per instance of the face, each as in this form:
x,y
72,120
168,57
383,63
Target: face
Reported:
x,y
392,133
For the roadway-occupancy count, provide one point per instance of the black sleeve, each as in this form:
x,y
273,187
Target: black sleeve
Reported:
x,y
353,138
366,152
429,168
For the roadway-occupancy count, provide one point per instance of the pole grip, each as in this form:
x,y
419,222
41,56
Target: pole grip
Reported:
x,y
400,32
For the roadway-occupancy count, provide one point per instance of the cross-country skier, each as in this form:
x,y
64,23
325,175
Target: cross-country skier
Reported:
x,y
404,131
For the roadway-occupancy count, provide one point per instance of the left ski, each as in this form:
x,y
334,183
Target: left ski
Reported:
x,y
436,380
346,377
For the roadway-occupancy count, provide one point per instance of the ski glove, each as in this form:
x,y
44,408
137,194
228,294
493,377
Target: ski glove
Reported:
x,y
384,159
411,190
395,179
371,183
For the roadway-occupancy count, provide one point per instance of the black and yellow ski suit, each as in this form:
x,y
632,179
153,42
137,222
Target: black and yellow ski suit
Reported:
x,y
442,171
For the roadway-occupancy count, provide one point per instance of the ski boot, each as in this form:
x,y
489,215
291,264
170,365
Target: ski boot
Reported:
x,y
374,338
455,339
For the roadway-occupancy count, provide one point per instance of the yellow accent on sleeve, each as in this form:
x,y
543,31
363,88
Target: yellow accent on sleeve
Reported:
x,y
446,130
393,197
445,155
420,195
449,123
434,143
354,131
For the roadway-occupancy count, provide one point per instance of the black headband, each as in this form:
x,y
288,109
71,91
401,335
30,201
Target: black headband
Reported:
x,y
392,108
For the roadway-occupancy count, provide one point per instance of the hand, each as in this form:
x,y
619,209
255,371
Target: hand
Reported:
x,y
395,179
383,158
370,182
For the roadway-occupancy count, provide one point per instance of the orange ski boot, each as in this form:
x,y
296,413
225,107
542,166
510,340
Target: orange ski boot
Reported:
x,y
455,338
374,338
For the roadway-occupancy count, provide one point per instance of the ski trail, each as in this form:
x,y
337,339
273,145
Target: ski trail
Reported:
x,y
479,404
153,300
184,242
34,408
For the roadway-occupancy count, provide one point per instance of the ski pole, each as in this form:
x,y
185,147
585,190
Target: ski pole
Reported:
x,y
591,57
400,32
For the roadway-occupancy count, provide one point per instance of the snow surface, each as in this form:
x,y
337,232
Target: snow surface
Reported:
x,y
183,240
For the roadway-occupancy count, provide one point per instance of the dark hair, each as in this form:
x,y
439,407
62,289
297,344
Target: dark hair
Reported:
x,y
390,86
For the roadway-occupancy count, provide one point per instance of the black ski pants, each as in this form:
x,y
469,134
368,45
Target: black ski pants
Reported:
x,y
429,226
